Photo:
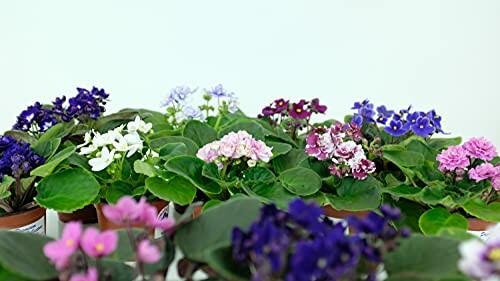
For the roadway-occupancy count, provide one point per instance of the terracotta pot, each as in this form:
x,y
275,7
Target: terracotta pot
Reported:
x,y
86,215
105,224
480,227
27,221
343,215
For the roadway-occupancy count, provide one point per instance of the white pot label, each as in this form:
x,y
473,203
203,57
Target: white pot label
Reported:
x,y
483,234
342,221
37,227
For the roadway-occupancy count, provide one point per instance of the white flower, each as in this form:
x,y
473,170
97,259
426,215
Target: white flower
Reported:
x,y
102,162
86,140
138,125
135,143
105,139
121,144
89,149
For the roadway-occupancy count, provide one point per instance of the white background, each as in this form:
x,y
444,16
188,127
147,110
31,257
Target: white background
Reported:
x,y
432,54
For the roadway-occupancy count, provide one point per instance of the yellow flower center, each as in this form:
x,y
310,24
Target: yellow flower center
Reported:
x,y
436,116
280,103
413,121
421,126
99,247
70,243
299,110
395,127
494,254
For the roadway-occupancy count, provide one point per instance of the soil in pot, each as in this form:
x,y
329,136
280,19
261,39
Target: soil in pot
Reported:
x,y
105,224
86,215
27,221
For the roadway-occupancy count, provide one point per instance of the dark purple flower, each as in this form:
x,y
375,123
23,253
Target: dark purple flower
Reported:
x,y
317,107
396,128
358,105
435,120
17,159
308,215
423,127
281,105
298,111
393,214
383,111
412,118
358,120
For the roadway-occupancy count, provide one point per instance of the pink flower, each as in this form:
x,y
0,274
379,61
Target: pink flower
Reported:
x,y
452,158
482,172
150,218
96,244
126,211
364,168
260,151
347,149
480,148
60,251
495,181
320,144
147,252
91,275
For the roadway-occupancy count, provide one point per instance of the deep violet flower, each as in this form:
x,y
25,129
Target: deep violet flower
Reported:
x,y
317,107
281,105
298,111
423,127
396,128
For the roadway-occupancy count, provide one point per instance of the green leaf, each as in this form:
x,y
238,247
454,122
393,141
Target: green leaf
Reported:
x,y
443,143
221,260
422,258
191,146
191,168
258,174
210,203
119,270
68,190
435,219
178,189
289,160
456,233
22,255
172,149
407,159
117,190
279,148
356,195
252,127
301,181
199,132
7,181
46,148
404,191
20,135
144,168
479,209
109,122
47,168
213,228
273,193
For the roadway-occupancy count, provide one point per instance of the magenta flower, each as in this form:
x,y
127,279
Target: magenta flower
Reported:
x,y
298,111
281,105
480,148
483,171
452,158
126,211
96,244
150,218
147,252
91,275
60,251
316,107
363,168
495,181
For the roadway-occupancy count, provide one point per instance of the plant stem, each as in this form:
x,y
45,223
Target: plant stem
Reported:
x,y
217,123
133,243
17,196
6,207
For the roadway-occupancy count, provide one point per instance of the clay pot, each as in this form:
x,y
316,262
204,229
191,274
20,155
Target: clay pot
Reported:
x,y
342,214
480,227
87,215
105,224
27,221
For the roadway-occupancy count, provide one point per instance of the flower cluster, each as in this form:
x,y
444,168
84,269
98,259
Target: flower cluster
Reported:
x,y
85,105
17,158
472,158
103,149
70,253
304,245
481,260
398,123
340,144
234,148
179,99
294,116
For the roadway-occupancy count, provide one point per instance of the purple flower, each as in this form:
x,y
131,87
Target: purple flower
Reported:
x,y
396,128
218,92
482,172
308,216
91,275
480,148
435,120
86,104
481,260
147,252
358,120
126,211
178,95
384,114
495,181
298,111
96,244
358,105
35,118
317,107
452,158
268,111
17,159
60,251
413,118
363,168
281,105
423,127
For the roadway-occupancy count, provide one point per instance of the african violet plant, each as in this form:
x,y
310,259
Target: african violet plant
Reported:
x,y
424,174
